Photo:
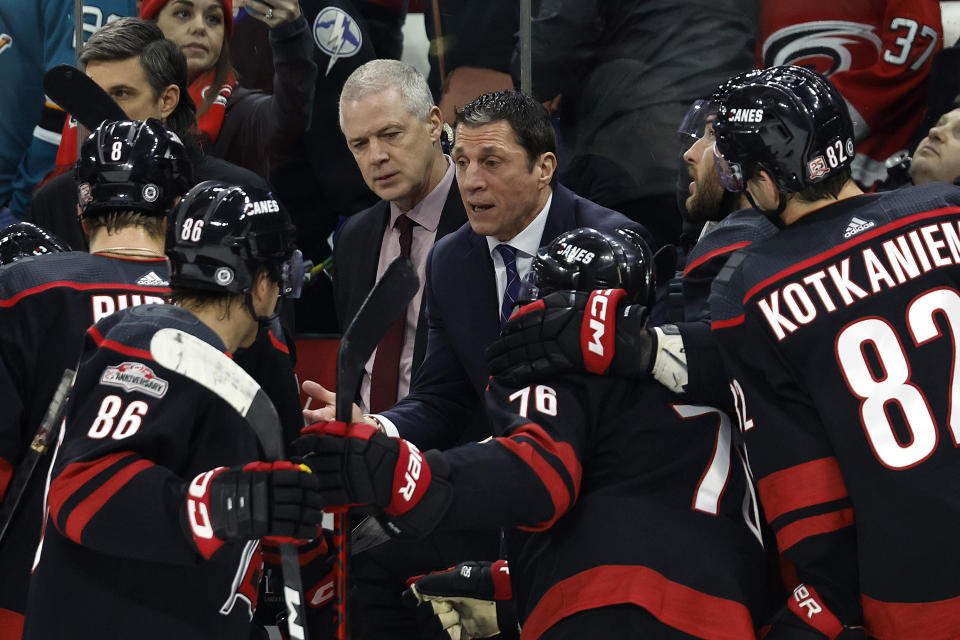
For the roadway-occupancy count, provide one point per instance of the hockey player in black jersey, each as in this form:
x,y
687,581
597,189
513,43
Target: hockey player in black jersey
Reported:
x,y
155,504
129,175
629,513
682,355
840,334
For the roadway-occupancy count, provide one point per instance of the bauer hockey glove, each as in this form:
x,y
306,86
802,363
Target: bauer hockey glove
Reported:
x,y
259,499
806,617
470,600
358,465
572,331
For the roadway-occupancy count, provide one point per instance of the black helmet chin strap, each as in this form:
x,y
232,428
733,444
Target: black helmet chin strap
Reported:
x,y
263,321
773,216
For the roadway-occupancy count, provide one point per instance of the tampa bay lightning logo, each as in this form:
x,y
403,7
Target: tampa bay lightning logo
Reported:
x,y
827,46
337,34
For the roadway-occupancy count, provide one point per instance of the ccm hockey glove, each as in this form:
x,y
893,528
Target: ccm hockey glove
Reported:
x,y
573,331
253,501
806,617
470,600
358,465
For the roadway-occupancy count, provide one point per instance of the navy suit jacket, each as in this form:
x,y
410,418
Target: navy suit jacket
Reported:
x,y
445,406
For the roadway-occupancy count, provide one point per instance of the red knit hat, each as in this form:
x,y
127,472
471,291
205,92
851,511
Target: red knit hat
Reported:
x,y
150,8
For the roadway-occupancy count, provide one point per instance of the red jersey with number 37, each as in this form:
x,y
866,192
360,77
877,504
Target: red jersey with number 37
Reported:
x,y
877,53
840,334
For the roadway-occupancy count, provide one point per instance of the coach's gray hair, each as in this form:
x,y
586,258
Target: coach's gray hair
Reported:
x,y
377,76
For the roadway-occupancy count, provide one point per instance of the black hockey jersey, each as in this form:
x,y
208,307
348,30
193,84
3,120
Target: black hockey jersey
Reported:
x,y
630,497
707,382
841,335
116,558
46,303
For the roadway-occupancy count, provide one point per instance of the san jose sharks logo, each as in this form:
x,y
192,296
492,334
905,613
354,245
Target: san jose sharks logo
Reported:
x,y
337,34
5,42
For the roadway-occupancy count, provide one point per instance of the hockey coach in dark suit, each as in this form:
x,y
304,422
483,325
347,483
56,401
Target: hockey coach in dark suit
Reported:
x,y
505,156
392,128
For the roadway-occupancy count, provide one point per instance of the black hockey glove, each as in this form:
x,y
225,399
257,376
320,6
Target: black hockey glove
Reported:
x,y
806,617
358,465
470,600
573,331
256,500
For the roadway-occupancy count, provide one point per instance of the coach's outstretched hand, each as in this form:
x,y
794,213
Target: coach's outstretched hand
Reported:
x,y
572,331
356,464
276,499
470,600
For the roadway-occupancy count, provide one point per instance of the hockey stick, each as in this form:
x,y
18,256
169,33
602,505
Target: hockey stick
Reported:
x,y
80,96
383,305
38,446
206,365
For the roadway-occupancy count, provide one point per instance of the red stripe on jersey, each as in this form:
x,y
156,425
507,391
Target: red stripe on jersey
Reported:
x,y
90,505
728,249
116,346
75,476
82,286
937,620
277,344
801,486
723,324
548,475
674,604
6,472
813,526
840,248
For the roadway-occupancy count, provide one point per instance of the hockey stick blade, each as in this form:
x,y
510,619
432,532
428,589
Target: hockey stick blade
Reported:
x,y
80,96
206,365
38,446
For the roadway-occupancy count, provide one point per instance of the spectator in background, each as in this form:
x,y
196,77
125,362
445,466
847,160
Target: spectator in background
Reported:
x,y
470,48
937,157
146,75
35,37
317,179
269,124
623,75
877,53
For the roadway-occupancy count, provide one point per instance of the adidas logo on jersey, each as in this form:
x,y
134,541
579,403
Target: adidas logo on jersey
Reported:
x,y
152,280
856,226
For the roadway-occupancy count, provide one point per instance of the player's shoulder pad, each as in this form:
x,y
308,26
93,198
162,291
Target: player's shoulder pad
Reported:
x,y
134,327
743,226
919,199
35,272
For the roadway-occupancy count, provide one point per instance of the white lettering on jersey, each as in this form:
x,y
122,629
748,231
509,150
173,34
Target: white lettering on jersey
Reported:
x,y
105,304
904,257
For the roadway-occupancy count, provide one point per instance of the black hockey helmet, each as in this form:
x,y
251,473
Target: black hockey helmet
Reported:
x,y
22,240
222,233
586,259
789,120
132,165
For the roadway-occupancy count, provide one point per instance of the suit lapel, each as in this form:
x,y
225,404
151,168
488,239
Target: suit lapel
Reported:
x,y
369,251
